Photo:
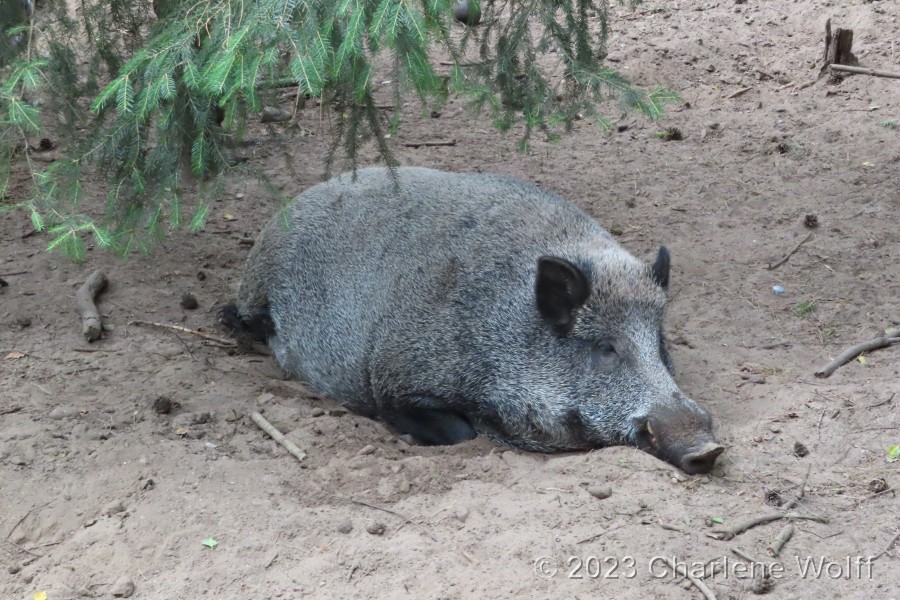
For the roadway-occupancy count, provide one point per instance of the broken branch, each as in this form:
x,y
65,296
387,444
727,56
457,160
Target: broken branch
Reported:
x,y
865,71
729,532
277,436
427,144
853,351
774,549
91,325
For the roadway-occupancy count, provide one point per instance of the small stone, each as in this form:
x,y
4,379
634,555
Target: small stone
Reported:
x,y
366,450
775,429
189,301
63,412
601,492
17,460
345,526
13,569
201,276
800,450
811,221
113,508
317,412
376,528
123,587
461,514
264,398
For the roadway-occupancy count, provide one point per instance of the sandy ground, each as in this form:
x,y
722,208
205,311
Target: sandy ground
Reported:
x,y
98,489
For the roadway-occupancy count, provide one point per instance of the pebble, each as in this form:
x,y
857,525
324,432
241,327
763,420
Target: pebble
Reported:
x,y
777,290
376,528
601,492
461,514
366,450
123,587
63,412
19,461
114,507
317,412
345,526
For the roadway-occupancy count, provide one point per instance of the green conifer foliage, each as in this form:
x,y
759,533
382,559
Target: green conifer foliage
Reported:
x,y
153,95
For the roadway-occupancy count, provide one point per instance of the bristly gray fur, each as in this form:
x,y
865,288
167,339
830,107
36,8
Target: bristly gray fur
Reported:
x,y
383,297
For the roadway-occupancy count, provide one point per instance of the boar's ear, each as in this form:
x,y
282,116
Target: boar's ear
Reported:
x,y
561,287
660,269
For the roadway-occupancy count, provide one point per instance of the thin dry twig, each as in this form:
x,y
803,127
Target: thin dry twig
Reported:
x,y
85,297
853,351
277,436
787,256
887,548
740,92
180,329
698,583
598,535
729,532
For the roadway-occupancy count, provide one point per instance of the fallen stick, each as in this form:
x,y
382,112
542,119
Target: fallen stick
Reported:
x,y
887,549
853,351
277,436
739,92
789,254
795,502
774,549
427,144
729,532
180,329
698,583
865,71
14,273
91,326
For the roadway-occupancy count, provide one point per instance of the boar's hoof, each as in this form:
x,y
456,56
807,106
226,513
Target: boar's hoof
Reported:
x,y
701,461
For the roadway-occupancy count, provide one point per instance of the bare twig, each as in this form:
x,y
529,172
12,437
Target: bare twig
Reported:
x,y
598,535
795,502
25,516
180,329
729,532
11,410
774,549
373,507
277,436
853,351
427,144
774,266
887,548
698,583
740,92
865,71
14,273
91,326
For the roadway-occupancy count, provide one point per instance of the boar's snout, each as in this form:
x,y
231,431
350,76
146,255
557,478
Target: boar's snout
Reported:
x,y
702,460
681,433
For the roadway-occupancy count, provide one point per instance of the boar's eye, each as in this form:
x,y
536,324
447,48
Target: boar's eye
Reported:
x,y
604,356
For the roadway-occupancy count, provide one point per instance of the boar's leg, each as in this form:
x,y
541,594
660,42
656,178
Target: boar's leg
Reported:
x,y
429,426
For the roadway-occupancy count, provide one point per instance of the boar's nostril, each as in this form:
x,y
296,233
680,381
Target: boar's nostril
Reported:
x,y
701,461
